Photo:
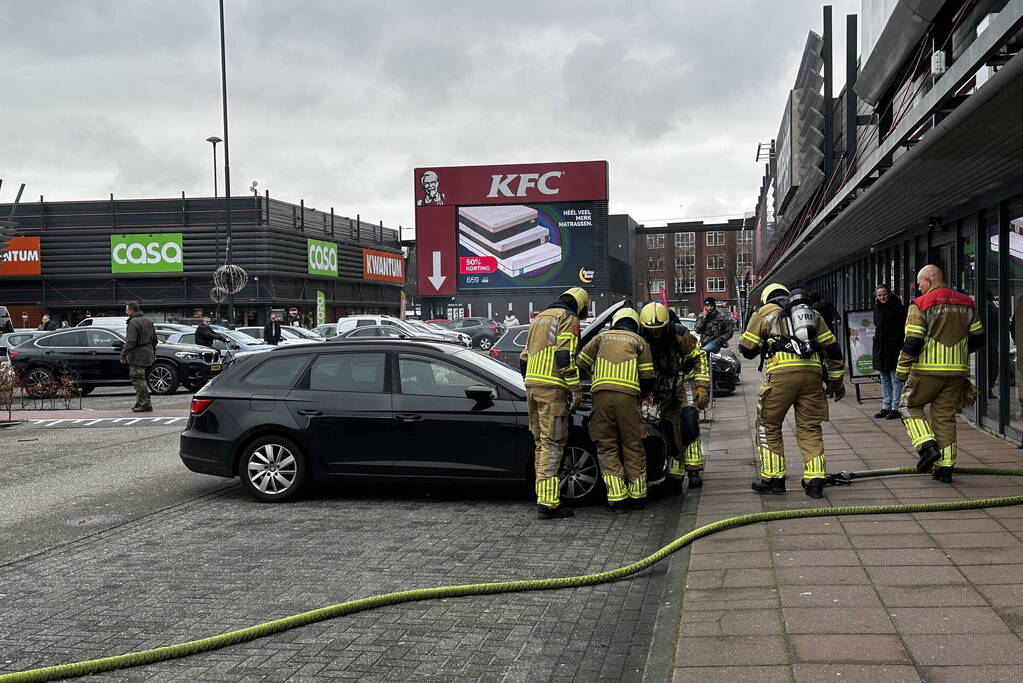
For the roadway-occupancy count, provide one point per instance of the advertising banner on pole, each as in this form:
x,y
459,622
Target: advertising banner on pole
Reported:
x,y
507,226
321,308
859,342
147,253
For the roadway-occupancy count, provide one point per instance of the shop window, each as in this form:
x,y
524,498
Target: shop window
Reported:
x,y
1015,306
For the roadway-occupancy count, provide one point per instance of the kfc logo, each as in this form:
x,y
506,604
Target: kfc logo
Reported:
x,y
501,185
431,188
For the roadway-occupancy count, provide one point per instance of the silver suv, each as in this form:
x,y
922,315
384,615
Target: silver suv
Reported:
x,y
6,324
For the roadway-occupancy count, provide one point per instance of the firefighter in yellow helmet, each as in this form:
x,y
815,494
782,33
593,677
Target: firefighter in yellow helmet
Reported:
x,y
552,389
942,329
792,338
623,371
681,389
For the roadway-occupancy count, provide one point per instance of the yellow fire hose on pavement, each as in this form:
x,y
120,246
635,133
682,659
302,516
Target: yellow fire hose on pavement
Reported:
x,y
191,647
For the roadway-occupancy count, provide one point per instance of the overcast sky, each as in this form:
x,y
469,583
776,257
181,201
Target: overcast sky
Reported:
x,y
336,101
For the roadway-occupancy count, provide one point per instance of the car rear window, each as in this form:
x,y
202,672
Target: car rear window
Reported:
x,y
277,373
362,372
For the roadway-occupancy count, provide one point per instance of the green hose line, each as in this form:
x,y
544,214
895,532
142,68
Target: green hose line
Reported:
x,y
191,647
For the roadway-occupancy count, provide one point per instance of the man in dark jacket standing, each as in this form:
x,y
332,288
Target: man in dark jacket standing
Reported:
x,y
827,311
713,327
138,353
272,331
47,324
204,334
889,333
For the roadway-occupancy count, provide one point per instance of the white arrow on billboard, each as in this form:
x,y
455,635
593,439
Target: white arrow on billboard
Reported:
x,y
437,279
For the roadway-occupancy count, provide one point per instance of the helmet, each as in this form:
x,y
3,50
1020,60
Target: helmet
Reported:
x,y
772,290
654,316
625,314
581,297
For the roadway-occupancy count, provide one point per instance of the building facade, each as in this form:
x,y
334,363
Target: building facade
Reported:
x,y
927,167
691,265
71,259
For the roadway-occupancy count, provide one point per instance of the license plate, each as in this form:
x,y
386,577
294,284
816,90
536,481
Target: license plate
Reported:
x,y
215,367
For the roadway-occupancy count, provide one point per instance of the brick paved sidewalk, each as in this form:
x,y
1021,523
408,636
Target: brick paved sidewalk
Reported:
x,y
935,596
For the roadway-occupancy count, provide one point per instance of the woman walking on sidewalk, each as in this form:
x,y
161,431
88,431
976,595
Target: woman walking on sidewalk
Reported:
x,y
889,333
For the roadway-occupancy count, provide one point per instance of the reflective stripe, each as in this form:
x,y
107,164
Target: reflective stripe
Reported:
x,y
585,359
835,374
816,468
702,373
750,337
675,468
694,459
977,327
615,487
915,329
948,456
772,465
919,431
547,491
826,338
644,367
637,488
622,374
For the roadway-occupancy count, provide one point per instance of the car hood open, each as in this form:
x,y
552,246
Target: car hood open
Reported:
x,y
594,328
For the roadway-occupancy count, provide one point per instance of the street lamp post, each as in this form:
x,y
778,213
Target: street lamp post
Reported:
x,y
227,168
213,140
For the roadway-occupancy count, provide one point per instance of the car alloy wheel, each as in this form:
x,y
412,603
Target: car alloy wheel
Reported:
x,y
162,379
39,378
486,343
272,469
579,474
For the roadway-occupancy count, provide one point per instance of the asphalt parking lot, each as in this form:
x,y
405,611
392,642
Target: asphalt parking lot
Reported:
x,y
112,546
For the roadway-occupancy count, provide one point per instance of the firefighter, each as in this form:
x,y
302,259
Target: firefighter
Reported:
x,y
623,372
792,337
552,389
678,361
942,329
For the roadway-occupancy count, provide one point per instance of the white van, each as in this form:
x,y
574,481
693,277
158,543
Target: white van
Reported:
x,y
112,322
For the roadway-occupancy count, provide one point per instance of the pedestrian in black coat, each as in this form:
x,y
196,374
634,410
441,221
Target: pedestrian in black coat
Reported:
x,y
889,333
272,331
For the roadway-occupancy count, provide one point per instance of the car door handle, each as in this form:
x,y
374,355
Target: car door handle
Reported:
x,y
310,413
408,417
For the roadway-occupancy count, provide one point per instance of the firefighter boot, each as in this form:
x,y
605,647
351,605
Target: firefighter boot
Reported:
x,y
929,454
942,474
544,512
814,488
774,485
619,507
695,478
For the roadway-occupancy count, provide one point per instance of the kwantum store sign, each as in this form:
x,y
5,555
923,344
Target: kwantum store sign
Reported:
x,y
383,266
21,257
147,253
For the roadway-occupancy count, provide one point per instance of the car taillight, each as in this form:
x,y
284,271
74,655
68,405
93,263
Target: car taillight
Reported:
x,y
493,329
199,405
11,353
495,352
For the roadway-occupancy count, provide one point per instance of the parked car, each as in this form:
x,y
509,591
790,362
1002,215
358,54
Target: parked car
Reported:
x,y
380,410
510,345
289,334
6,324
325,331
12,339
483,331
236,342
384,331
345,324
94,356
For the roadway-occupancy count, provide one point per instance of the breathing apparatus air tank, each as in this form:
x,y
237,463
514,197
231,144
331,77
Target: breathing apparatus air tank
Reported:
x,y
801,318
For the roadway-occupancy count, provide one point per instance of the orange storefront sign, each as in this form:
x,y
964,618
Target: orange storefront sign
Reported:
x,y
21,257
382,265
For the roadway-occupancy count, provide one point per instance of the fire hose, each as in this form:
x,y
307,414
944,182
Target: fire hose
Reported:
x,y
214,642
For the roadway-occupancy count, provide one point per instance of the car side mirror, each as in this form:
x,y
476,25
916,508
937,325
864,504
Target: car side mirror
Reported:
x,y
480,394
233,347
118,345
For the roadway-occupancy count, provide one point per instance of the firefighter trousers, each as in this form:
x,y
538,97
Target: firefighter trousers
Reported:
x,y
616,418
548,422
687,453
944,396
778,392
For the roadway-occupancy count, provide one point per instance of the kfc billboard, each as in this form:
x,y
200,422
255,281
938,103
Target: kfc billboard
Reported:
x,y
508,226
22,256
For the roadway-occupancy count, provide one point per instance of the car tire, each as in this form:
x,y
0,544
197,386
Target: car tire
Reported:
x,y
85,391
273,469
40,376
579,477
163,379
485,343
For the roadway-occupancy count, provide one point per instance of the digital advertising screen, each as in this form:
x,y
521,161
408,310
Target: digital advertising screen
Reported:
x,y
860,343
525,245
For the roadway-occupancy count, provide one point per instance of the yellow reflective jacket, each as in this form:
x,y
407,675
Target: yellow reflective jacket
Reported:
x,y
669,358
550,350
770,324
942,327
620,359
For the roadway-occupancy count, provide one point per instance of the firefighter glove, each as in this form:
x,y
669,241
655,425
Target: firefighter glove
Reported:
x,y
577,399
701,398
836,389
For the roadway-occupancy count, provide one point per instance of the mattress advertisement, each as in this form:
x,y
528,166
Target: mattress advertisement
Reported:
x,y
860,343
525,245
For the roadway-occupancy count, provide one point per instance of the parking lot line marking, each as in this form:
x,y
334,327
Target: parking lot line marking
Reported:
x,y
175,419
92,422
131,422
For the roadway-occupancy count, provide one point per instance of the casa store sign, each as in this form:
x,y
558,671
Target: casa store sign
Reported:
x,y
440,190
22,256
383,266
147,253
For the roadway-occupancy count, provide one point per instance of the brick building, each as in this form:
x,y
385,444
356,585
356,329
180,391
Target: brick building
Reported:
x,y
709,260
